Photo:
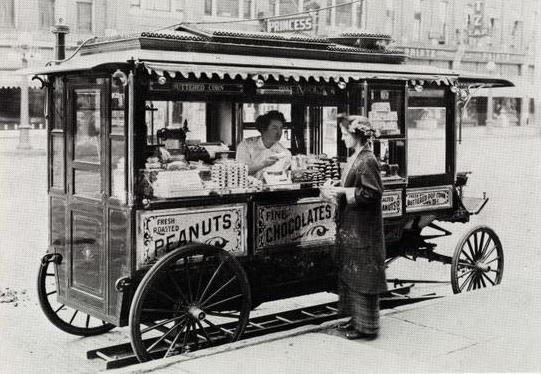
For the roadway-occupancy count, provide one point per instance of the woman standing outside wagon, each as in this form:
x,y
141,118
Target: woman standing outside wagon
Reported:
x,y
360,238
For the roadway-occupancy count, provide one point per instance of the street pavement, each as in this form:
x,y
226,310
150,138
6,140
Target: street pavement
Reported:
x,y
490,330
502,328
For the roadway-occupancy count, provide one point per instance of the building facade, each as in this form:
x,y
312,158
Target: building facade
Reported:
x,y
495,37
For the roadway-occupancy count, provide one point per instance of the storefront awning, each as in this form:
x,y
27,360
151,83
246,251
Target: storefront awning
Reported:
x,y
295,73
10,79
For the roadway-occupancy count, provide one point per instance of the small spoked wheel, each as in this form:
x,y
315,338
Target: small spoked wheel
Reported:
x,y
477,261
194,297
65,318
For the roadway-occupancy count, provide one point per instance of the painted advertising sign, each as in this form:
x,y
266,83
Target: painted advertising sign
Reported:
x,y
477,27
161,231
391,203
270,89
308,222
290,24
198,87
428,198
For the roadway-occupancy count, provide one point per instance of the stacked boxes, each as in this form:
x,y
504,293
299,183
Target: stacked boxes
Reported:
x,y
383,119
229,175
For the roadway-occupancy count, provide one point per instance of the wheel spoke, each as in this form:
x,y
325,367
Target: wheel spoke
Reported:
x,y
87,320
225,315
218,327
156,310
178,318
483,253
488,278
207,337
60,307
219,290
467,256
466,265
50,274
73,317
51,293
185,341
481,242
495,271
468,278
472,282
472,252
158,341
199,279
210,281
186,266
165,295
221,301
174,281
175,340
466,273
482,281
491,261
488,255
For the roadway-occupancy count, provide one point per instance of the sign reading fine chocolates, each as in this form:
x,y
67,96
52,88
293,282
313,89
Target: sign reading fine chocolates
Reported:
x,y
304,223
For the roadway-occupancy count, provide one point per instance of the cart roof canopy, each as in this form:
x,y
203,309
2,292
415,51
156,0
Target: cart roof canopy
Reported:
x,y
189,50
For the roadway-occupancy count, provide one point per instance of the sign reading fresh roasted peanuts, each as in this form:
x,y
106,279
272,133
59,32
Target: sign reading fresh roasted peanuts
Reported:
x,y
161,231
304,223
429,198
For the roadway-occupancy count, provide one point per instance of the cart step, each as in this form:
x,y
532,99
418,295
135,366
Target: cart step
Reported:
x,y
121,355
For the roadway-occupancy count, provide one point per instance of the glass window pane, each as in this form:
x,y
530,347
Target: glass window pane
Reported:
x,y
228,8
57,152
330,131
288,7
46,14
87,129
175,115
426,140
343,14
117,109
384,108
118,169
7,13
84,16
87,183
58,104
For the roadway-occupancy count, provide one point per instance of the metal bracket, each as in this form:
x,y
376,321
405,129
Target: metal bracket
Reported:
x,y
122,283
51,257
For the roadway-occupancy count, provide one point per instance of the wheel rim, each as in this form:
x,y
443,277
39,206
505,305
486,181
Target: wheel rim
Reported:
x,y
477,261
190,299
67,319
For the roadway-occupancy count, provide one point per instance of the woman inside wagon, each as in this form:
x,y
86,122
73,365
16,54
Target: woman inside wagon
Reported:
x,y
360,237
265,152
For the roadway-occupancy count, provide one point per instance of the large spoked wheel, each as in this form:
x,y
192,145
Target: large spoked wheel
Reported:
x,y
65,318
477,261
194,297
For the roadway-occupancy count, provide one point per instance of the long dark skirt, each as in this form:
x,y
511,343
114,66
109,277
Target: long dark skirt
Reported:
x,y
363,309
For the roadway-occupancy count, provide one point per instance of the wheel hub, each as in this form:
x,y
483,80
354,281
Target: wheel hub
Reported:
x,y
482,267
197,313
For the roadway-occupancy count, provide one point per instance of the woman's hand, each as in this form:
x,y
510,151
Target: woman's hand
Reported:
x,y
271,160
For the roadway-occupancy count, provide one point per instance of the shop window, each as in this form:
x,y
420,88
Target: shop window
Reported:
x,y
58,104
57,159
287,7
175,115
118,169
87,129
87,183
84,16
208,7
426,121
343,13
46,13
250,112
160,5
7,13
247,9
227,8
